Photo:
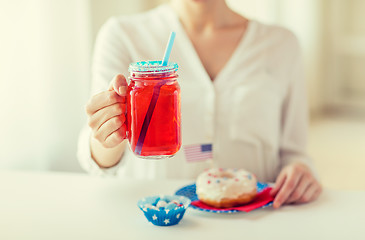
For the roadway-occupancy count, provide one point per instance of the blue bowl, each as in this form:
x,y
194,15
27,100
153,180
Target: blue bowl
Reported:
x,y
169,215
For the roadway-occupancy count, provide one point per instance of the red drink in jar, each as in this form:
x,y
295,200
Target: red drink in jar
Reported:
x,y
153,109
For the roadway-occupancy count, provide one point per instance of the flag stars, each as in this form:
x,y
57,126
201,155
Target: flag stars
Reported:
x,y
178,215
154,217
166,221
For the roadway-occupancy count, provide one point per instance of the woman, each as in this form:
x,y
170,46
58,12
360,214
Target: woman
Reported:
x,y
242,91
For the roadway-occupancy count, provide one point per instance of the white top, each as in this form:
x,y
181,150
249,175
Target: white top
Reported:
x,y
254,113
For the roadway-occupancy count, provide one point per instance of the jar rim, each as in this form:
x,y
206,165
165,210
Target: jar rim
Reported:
x,y
152,67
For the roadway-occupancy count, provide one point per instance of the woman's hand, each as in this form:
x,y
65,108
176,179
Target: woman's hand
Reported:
x,y
295,184
107,113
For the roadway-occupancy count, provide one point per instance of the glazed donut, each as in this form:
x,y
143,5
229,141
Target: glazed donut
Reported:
x,y
224,188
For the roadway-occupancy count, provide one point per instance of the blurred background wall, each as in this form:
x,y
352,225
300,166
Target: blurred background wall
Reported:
x,y
45,52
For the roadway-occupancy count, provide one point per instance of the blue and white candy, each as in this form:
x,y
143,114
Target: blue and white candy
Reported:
x,y
164,203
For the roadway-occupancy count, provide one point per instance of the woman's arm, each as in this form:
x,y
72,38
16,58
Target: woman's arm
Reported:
x,y
296,183
101,144
106,117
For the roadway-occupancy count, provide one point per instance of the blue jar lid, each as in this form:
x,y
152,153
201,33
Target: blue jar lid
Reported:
x,y
152,67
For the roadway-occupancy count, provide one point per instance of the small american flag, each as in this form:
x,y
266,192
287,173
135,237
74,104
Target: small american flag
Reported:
x,y
198,152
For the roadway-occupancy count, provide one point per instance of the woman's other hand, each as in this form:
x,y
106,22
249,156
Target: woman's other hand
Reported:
x,y
295,184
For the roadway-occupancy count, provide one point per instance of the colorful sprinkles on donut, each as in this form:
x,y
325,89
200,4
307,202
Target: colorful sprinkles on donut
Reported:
x,y
224,187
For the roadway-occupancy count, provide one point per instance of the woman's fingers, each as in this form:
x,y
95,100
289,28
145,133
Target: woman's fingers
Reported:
x,y
119,85
102,100
298,186
107,128
116,94
107,113
287,188
279,183
317,193
104,114
116,137
302,187
312,193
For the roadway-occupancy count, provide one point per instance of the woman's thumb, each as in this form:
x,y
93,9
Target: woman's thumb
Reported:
x,y
119,85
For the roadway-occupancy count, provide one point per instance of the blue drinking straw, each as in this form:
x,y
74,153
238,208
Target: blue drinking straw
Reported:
x,y
155,94
168,49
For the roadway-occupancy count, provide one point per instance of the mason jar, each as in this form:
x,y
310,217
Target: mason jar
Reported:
x,y
153,109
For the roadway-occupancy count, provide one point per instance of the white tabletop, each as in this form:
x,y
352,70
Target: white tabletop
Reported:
x,y
77,206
